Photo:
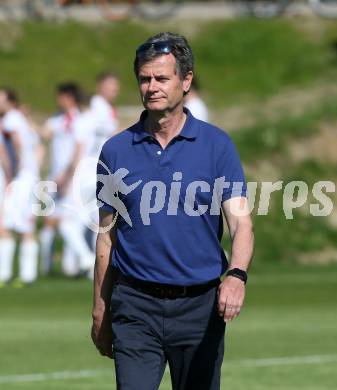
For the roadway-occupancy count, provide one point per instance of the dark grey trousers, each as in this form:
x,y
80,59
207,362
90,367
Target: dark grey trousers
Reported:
x,y
148,332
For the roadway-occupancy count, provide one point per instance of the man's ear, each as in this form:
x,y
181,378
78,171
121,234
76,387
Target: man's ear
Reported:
x,y
187,82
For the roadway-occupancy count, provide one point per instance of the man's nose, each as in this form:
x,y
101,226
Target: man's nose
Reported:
x,y
153,85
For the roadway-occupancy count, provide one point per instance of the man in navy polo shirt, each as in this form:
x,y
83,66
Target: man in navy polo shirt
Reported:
x,y
162,185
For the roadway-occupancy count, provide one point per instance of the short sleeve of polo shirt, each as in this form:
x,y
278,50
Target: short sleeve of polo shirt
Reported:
x,y
229,167
103,194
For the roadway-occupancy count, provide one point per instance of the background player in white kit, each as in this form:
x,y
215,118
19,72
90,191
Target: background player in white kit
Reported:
x,y
17,207
102,107
97,122
59,131
92,128
5,177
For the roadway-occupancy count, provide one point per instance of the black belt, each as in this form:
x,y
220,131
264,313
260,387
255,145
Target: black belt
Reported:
x,y
171,291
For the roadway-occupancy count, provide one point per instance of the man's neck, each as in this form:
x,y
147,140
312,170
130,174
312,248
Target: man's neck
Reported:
x,y
165,126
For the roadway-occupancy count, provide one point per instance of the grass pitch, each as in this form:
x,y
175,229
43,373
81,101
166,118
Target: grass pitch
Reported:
x,y
285,338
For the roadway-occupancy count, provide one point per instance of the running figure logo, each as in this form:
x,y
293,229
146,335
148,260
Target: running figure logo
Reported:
x,y
112,185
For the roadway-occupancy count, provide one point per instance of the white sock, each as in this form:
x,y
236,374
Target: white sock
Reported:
x,y
47,236
7,249
72,233
28,261
70,265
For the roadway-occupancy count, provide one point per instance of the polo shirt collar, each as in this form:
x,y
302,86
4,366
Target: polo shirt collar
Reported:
x,y
189,131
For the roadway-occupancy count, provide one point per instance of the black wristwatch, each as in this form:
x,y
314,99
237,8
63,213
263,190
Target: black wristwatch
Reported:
x,y
238,273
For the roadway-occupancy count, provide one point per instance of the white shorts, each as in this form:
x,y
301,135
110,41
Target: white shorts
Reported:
x,y
18,203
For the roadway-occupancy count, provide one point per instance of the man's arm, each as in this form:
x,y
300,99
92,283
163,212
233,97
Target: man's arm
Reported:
x,y
231,291
17,146
5,163
104,279
65,178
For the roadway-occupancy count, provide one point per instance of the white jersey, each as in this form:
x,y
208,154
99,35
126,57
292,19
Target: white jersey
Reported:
x,y
197,108
84,179
15,121
105,118
62,143
85,126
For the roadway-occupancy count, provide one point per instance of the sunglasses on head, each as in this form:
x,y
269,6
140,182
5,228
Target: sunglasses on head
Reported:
x,y
159,47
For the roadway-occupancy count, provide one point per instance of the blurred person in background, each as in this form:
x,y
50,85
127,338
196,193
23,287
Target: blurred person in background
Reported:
x,y
102,106
85,158
194,102
17,207
58,130
5,177
102,123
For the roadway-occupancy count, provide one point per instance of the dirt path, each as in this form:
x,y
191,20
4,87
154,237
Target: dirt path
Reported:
x,y
291,102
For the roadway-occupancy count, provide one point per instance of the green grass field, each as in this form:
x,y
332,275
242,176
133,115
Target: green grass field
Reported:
x,y
285,337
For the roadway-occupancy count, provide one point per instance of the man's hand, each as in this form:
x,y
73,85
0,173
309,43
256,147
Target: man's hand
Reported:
x,y
101,335
231,294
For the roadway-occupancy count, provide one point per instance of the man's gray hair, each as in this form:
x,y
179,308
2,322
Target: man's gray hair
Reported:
x,y
179,48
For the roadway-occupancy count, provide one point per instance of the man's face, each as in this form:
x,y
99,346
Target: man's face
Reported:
x,y
3,102
109,89
160,85
66,101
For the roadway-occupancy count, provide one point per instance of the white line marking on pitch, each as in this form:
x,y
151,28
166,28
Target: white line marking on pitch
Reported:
x,y
284,361
39,377
268,362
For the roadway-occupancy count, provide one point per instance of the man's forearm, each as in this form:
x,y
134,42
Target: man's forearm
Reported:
x,y
17,150
242,247
5,163
70,171
104,279
104,276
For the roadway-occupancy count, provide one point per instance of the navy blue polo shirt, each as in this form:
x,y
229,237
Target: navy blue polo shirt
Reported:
x,y
169,225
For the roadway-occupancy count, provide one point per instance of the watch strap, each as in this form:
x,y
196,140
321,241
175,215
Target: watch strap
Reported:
x,y
238,273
